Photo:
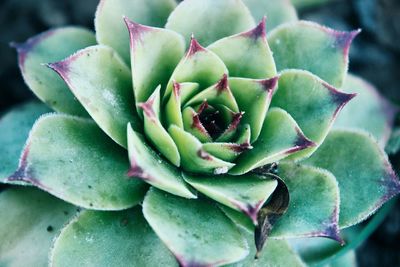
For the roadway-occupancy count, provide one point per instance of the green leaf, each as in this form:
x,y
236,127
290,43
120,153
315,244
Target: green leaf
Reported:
x,y
196,231
146,164
210,20
192,125
277,253
246,193
155,131
14,130
226,151
393,145
254,98
320,50
247,54
74,160
110,29
51,46
155,52
314,203
369,111
180,94
311,102
119,238
365,176
300,4
277,12
280,137
30,219
193,156
102,82
198,66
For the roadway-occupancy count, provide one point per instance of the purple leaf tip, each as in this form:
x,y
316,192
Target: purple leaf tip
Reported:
x,y
222,84
340,98
344,39
258,31
176,88
147,107
269,84
61,67
135,31
194,47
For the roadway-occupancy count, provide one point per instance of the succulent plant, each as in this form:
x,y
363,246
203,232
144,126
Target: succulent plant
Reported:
x,y
203,143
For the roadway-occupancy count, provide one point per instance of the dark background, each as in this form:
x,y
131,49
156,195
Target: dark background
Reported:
x,y
375,56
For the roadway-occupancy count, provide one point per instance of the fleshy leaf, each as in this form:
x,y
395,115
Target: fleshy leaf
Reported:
x,y
220,93
102,82
74,160
254,98
277,253
226,151
181,92
320,50
312,103
199,66
369,111
155,131
193,156
192,125
246,193
47,47
280,137
30,219
110,29
247,54
155,52
210,20
119,238
147,165
314,203
196,231
356,159
14,130
277,12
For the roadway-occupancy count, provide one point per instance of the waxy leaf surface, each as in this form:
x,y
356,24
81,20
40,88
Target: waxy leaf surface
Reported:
x,y
74,160
52,46
119,238
362,170
184,226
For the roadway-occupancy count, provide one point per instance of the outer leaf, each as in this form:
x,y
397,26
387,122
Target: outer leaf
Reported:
x,y
314,203
280,137
29,221
246,193
193,156
47,47
320,50
196,231
198,66
254,98
312,103
368,111
155,53
356,159
277,253
146,164
247,54
14,130
120,238
221,17
102,82
72,159
110,29
155,131
277,12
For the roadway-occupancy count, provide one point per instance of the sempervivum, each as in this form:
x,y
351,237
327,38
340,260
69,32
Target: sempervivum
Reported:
x,y
228,132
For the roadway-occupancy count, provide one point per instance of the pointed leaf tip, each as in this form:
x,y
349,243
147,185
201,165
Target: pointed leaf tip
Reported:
x,y
344,39
339,97
222,84
259,31
60,67
176,88
194,47
270,84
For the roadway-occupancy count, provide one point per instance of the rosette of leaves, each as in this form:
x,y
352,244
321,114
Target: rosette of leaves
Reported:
x,y
186,134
